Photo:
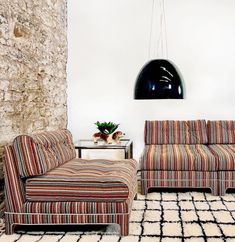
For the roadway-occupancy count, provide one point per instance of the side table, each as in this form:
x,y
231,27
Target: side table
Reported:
x,y
88,144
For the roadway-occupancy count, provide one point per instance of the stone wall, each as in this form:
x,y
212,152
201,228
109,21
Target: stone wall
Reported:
x,y
33,55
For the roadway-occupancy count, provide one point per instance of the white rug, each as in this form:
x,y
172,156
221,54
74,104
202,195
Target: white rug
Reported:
x,y
161,217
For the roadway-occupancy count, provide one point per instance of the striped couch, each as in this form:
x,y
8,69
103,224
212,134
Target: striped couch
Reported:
x,y
46,184
189,154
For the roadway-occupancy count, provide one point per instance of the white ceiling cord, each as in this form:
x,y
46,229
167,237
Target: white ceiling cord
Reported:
x,y
161,48
151,29
164,22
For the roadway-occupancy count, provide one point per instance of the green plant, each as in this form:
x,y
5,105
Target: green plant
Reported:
x,y
106,128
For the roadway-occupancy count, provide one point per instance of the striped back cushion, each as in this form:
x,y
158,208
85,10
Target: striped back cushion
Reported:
x,y
221,132
175,132
14,187
39,153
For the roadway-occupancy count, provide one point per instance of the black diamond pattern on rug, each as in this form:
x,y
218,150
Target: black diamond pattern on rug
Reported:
x,y
163,217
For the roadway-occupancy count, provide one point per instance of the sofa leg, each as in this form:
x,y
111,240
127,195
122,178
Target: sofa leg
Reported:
x,y
142,192
144,188
222,191
222,194
215,191
124,225
9,228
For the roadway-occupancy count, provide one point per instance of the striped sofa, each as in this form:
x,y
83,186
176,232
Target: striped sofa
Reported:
x,y
188,154
221,142
46,184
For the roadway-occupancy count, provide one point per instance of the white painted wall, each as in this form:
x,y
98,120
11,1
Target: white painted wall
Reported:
x,y
108,44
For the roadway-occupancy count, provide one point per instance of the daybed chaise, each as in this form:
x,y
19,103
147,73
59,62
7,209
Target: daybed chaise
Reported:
x,y
46,184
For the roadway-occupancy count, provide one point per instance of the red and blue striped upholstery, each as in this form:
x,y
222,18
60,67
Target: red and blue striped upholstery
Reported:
x,y
221,132
225,156
39,153
107,187
175,132
179,179
85,180
226,180
54,218
178,158
80,207
177,154
14,187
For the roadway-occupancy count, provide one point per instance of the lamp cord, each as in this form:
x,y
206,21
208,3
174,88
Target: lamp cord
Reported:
x,y
162,38
164,21
151,28
161,28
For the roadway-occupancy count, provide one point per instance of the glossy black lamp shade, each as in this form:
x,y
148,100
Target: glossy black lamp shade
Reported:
x,y
159,79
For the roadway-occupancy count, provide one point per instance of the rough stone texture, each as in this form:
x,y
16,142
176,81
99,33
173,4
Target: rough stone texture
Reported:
x,y
33,55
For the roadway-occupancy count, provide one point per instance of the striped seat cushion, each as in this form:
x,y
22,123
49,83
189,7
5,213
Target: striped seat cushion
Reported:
x,y
175,132
221,132
225,154
85,180
39,153
178,157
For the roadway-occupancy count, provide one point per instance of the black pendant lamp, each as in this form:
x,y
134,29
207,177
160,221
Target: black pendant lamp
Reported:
x,y
159,78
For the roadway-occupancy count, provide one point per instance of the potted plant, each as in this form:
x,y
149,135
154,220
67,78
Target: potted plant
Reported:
x,y
106,132
106,128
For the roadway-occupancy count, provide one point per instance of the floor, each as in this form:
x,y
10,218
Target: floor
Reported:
x,y
161,216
